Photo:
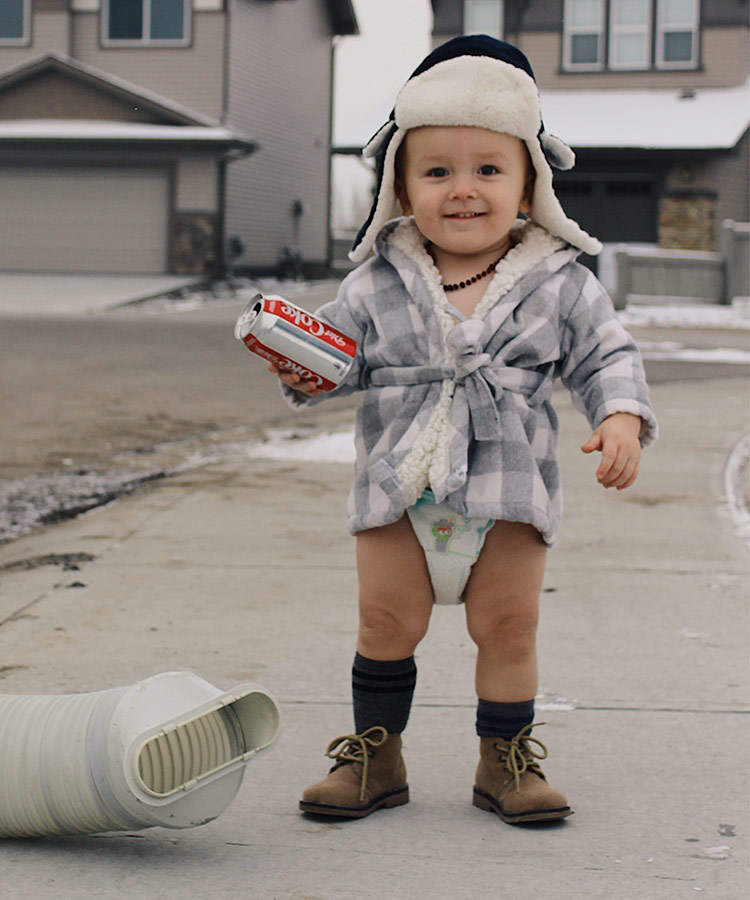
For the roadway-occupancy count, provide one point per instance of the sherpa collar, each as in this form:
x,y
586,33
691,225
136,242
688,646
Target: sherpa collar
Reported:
x,y
531,245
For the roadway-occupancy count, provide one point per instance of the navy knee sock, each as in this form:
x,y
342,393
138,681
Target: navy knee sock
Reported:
x,y
503,720
382,691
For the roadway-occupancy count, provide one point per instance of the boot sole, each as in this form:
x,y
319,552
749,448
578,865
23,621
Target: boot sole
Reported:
x,y
488,803
384,801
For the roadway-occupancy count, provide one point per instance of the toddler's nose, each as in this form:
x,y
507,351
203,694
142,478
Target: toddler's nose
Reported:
x,y
462,187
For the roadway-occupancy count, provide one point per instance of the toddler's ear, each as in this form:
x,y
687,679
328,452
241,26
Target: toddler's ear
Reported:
x,y
402,197
528,195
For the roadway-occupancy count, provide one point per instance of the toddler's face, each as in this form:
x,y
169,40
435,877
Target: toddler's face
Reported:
x,y
464,186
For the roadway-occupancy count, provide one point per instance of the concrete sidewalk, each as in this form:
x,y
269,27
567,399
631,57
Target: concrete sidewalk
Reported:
x,y
242,570
62,294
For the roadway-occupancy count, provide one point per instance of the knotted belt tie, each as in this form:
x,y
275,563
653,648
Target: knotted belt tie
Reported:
x,y
482,381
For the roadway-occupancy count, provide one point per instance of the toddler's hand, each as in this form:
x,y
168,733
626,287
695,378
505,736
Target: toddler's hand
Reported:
x,y
617,438
292,380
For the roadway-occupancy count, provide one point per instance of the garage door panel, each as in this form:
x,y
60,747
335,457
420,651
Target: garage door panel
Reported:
x,y
84,219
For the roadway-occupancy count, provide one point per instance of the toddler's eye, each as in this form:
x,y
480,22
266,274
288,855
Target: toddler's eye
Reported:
x,y
437,172
488,170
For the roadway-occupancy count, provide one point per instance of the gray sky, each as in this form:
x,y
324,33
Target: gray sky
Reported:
x,y
370,68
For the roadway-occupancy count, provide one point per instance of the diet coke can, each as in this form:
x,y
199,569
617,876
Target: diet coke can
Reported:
x,y
295,341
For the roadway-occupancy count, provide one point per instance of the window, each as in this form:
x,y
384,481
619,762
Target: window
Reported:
x,y
14,21
147,21
483,17
584,34
630,34
677,28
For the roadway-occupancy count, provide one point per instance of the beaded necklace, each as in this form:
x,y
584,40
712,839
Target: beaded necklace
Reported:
x,y
473,279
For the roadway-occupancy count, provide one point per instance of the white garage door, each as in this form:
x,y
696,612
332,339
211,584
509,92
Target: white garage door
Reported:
x,y
71,219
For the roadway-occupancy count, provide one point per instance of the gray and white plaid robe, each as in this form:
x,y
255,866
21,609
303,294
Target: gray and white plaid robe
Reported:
x,y
464,406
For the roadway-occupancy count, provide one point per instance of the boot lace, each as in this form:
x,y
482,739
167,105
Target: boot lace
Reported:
x,y
357,748
519,756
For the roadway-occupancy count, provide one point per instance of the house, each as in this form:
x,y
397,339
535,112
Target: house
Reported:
x,y
653,96
147,136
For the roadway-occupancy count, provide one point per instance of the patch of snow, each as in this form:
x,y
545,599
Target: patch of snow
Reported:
x,y
336,447
737,485
679,352
685,315
656,118
101,130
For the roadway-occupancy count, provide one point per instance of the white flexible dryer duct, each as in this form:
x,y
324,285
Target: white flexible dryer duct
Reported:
x,y
170,751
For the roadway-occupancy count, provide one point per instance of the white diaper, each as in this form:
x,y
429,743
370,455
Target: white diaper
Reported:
x,y
451,544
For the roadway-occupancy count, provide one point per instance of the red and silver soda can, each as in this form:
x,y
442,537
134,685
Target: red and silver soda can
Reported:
x,y
295,341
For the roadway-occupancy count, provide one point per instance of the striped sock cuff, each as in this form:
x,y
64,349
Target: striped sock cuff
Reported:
x,y
386,676
382,691
503,720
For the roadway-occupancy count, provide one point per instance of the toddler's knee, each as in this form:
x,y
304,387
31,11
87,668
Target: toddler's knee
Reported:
x,y
381,628
514,637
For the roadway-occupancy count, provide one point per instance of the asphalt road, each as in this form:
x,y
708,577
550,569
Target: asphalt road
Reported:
x,y
79,391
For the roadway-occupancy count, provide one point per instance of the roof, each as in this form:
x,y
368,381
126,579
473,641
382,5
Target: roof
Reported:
x,y
110,84
656,119
104,130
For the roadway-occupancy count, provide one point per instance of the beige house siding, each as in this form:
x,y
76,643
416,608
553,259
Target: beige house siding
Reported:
x,y
191,76
49,32
725,59
280,70
197,184
51,95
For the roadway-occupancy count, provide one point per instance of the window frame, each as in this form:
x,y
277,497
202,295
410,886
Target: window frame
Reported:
x,y
501,18
646,30
662,30
25,39
569,31
656,31
147,42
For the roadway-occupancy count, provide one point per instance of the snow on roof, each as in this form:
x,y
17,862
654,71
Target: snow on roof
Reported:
x,y
105,130
656,119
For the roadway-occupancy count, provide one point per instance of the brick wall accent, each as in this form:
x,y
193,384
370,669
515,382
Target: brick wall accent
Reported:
x,y
687,221
194,247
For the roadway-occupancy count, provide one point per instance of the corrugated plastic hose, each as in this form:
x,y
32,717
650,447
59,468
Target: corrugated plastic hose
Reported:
x,y
170,751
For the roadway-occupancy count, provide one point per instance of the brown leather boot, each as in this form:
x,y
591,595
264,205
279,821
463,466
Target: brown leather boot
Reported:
x,y
510,782
369,774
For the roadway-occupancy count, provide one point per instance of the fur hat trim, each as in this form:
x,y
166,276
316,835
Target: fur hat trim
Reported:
x,y
485,83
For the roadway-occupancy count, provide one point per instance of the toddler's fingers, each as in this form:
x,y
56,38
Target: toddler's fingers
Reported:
x,y
609,467
593,443
631,478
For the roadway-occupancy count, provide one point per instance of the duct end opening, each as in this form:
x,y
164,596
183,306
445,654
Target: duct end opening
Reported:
x,y
182,755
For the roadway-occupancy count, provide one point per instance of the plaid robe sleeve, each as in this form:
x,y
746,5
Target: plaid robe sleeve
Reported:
x,y
601,365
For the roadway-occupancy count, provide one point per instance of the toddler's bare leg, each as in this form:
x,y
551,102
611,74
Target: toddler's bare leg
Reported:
x,y
395,593
502,611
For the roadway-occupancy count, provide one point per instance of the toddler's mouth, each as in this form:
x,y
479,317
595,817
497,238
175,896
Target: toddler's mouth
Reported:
x,y
464,215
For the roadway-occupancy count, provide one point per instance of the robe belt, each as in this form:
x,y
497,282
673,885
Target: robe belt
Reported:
x,y
480,381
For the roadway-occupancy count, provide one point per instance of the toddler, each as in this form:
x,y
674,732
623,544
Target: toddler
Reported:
x,y
464,317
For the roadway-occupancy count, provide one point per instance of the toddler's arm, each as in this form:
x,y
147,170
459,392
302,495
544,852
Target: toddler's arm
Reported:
x,y
617,439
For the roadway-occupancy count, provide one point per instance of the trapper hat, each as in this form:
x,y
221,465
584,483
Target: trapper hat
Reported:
x,y
474,80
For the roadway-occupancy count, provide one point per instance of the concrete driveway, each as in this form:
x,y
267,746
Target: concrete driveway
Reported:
x,y
51,294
